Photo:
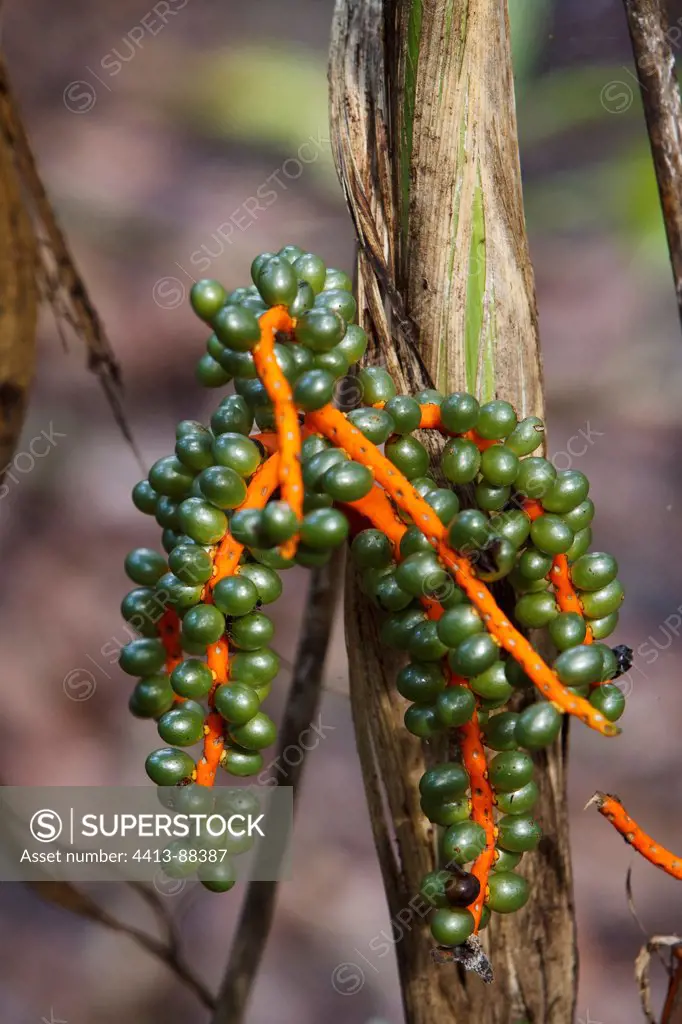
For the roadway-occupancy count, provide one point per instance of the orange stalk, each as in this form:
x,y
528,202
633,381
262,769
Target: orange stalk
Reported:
x,y
268,440
262,485
214,739
334,425
169,633
613,811
286,416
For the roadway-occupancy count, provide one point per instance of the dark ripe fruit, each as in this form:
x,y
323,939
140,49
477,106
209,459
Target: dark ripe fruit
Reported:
x,y
534,478
254,667
538,725
432,888
376,424
566,630
176,593
320,329
444,503
463,842
256,734
408,455
405,413
305,300
376,385
192,679
567,492
514,526
455,706
499,731
145,498
337,279
311,268
202,521
496,560
412,541
191,563
508,892
238,453
510,770
550,534
496,420
182,726
451,927
609,699
462,890
232,416
266,581
195,450
469,531
474,655
316,467
278,522
277,282
446,812
424,644
518,833
237,702
520,801
444,782
237,328
460,461
422,721
389,596
145,566
144,657
207,298
624,658
459,412
491,498
151,697
579,666
246,527
354,343
371,549
526,436
251,632
240,762
420,682
210,374
168,766
493,685
314,389
203,624
499,465
168,476
536,610
339,301
581,543
601,628
348,481
220,876
416,570
594,571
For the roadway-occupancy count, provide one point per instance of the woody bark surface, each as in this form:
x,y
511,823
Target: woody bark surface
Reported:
x,y
425,141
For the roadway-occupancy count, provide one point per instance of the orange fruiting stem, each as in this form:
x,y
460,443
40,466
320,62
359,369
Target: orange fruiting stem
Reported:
x,y
169,632
268,440
339,431
286,417
263,483
613,811
214,740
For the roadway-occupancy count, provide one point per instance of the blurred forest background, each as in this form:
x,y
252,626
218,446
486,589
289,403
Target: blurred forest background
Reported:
x,y
151,141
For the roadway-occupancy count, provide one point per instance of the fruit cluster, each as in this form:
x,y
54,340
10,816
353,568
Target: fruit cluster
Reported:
x,y
238,505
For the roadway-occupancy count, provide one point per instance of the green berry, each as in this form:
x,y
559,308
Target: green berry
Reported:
x,y
339,300
151,697
474,655
237,453
240,762
459,412
594,571
581,516
444,503
207,298
277,282
579,666
376,424
424,644
491,498
145,566
581,544
143,657
459,623
535,477
514,526
232,416
408,455
250,632
455,706
518,833
496,420
210,374
463,842
452,926
305,300
499,465
320,329
469,531
533,564
422,721
376,385
354,343
500,731
266,581
526,436
371,549
143,608
176,593
219,876
257,668
237,328
550,534
510,770
316,467
568,491
256,734
278,522
203,624
405,413
313,390
237,702
168,767
508,892
235,595
460,461
195,450
446,812
182,726
202,521
492,684
432,888
429,396
348,481
311,269
506,860
416,571
444,782
601,628
538,725
168,476
609,699
191,563
192,679
520,801
536,610
567,630
389,595
145,498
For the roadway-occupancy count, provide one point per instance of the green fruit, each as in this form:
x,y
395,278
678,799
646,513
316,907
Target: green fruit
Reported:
x,y
422,721
460,461
536,610
446,812
202,521
550,534
266,581
421,682
348,481
609,662
516,675
256,734
311,269
492,685
167,513
508,892
232,416
444,503
305,300
432,888
538,725
408,455
581,543
337,279
469,531
192,679
151,697
237,328
474,655
353,345
424,644
182,726
237,453
210,374
168,767
144,657
412,541
514,526
499,465
324,528
371,549
567,630
463,842
389,596
444,782
376,385
506,860
169,539
240,762
278,522
455,706
414,573
195,450
594,571
310,557
176,593
207,298
217,877
143,608
567,492
579,666
581,516
168,476
339,301
145,498
533,564
396,629
405,413
254,667
601,628
526,436
520,801
191,563
459,412
496,420
320,329
608,699
185,427
277,282
145,566
235,595
452,927
250,632
500,731
236,702
376,424
203,624
510,770
316,467
313,390
496,561
246,527
491,498
429,396
535,478
518,833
